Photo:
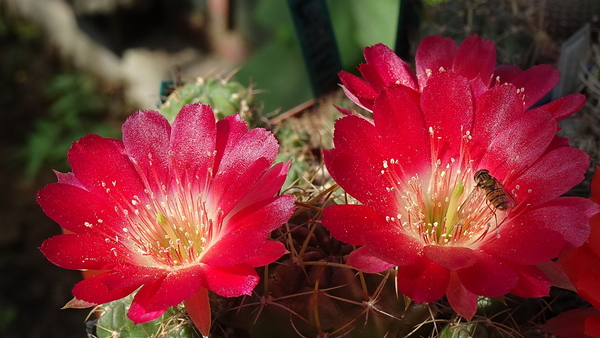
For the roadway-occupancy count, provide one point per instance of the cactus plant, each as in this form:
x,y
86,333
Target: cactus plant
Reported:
x,y
113,322
224,96
311,291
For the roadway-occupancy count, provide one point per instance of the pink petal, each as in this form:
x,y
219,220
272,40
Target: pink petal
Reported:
x,y
489,276
450,257
153,299
77,304
192,146
357,90
125,276
230,186
506,73
93,291
393,246
558,142
536,81
137,313
231,282
595,188
462,300
552,175
247,231
146,140
447,105
520,144
433,53
198,308
594,237
348,222
344,111
570,223
570,324
385,68
267,186
592,325
475,57
77,251
575,262
401,125
363,260
588,206
356,164
556,275
532,283
242,166
478,88
495,109
564,106
570,261
68,178
263,215
76,209
524,241
424,281
269,252
588,286
100,164
253,145
230,130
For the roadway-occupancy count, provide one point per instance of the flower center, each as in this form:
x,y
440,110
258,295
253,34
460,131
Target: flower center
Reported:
x,y
172,229
166,227
447,206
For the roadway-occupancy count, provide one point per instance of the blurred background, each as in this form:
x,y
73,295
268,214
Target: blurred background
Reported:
x,y
74,67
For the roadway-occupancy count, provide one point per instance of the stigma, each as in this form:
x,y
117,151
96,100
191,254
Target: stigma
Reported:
x,y
444,204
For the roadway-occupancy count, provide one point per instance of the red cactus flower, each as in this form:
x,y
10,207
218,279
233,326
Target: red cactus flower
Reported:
x,y
177,210
582,266
576,323
474,60
458,182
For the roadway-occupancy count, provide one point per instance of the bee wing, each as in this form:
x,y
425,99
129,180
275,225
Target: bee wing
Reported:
x,y
511,203
471,202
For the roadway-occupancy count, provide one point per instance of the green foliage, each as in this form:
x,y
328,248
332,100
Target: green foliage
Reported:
x,y
365,30
8,316
77,109
20,29
355,27
113,323
277,63
435,2
293,145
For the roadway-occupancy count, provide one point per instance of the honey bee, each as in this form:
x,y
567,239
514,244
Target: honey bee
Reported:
x,y
494,191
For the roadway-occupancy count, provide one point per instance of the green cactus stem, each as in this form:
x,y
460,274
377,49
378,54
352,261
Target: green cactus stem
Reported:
x,y
224,96
113,322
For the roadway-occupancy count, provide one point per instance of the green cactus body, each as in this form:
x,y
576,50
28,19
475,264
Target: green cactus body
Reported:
x,y
114,323
464,330
302,136
225,97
